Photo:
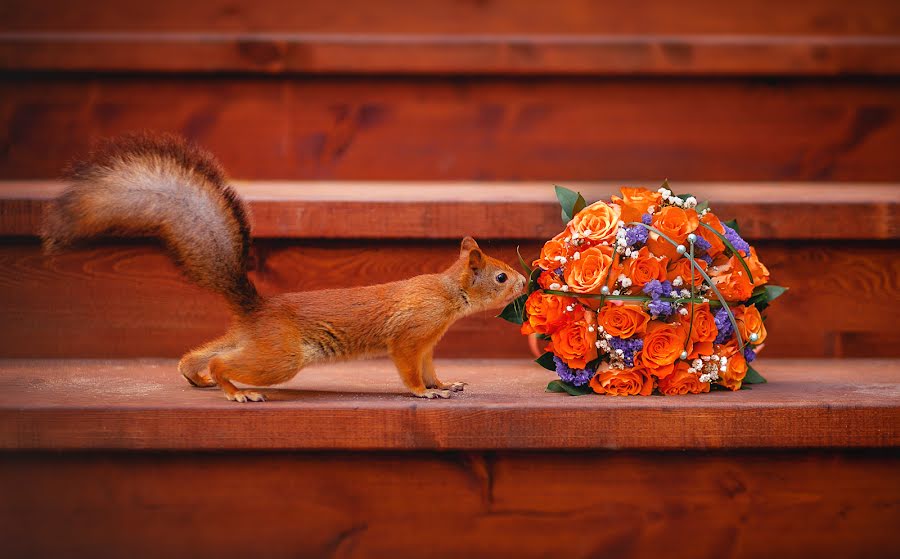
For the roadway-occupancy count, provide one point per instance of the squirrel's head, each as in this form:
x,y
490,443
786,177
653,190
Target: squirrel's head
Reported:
x,y
487,282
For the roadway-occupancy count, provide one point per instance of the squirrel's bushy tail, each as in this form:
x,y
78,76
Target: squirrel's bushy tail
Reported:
x,y
159,185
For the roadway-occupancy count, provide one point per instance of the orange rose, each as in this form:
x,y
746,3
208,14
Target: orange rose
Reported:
x,y
732,281
645,268
757,268
717,247
554,254
574,343
676,224
682,382
635,201
597,223
749,322
735,368
663,345
703,332
619,382
588,272
623,321
546,313
549,280
682,268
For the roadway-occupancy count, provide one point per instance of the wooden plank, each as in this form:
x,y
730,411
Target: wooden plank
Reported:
x,y
146,404
628,505
552,129
572,17
128,300
452,210
317,53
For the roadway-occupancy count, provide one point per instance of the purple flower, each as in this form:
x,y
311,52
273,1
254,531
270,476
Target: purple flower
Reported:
x,y
657,289
646,219
635,235
736,241
660,308
707,258
723,324
749,354
577,377
629,347
701,244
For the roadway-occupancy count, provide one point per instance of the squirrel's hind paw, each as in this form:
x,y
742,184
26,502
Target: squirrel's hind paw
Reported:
x,y
432,393
245,396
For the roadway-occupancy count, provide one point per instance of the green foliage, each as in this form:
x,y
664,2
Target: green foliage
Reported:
x,y
734,225
571,202
546,361
515,311
524,265
571,390
753,376
702,206
765,294
532,280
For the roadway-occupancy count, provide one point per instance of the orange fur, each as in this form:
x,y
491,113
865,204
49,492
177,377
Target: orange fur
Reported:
x,y
161,186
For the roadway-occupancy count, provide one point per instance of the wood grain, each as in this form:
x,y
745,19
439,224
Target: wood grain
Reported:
x,y
628,505
523,210
573,17
128,300
548,129
431,54
146,404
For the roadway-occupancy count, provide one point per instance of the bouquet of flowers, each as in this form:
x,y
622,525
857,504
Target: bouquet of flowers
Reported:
x,y
650,292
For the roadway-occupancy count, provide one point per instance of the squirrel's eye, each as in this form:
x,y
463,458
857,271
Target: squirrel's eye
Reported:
x,y
501,278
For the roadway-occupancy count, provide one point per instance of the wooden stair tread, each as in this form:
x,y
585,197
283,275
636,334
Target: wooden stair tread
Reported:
x,y
520,210
145,404
442,54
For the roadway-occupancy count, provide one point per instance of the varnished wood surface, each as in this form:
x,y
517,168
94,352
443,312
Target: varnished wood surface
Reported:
x,y
575,17
548,129
430,54
145,404
128,300
524,210
395,505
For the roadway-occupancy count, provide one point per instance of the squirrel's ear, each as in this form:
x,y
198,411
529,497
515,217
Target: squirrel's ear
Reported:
x,y
476,259
467,244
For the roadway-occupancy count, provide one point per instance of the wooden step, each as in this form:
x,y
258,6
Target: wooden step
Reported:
x,y
147,405
504,210
341,463
470,128
702,37
127,299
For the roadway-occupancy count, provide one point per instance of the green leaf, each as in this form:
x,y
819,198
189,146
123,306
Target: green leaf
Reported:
x,y
571,202
546,361
734,225
774,291
515,311
753,376
571,390
525,266
702,206
665,184
683,197
532,280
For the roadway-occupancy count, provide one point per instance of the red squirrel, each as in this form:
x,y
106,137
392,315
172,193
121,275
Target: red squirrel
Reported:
x,y
159,185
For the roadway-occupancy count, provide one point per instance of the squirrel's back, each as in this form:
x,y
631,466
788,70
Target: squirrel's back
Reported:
x,y
159,185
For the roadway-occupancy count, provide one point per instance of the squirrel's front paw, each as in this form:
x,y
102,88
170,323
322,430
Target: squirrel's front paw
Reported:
x,y
432,393
455,386
245,396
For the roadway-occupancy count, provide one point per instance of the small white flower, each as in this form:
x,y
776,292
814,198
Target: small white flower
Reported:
x,y
704,378
690,202
634,255
597,344
617,292
673,294
651,209
555,286
600,328
685,293
570,308
565,288
560,258
576,256
683,311
626,282
587,232
714,358
621,225
590,328
697,364
677,282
